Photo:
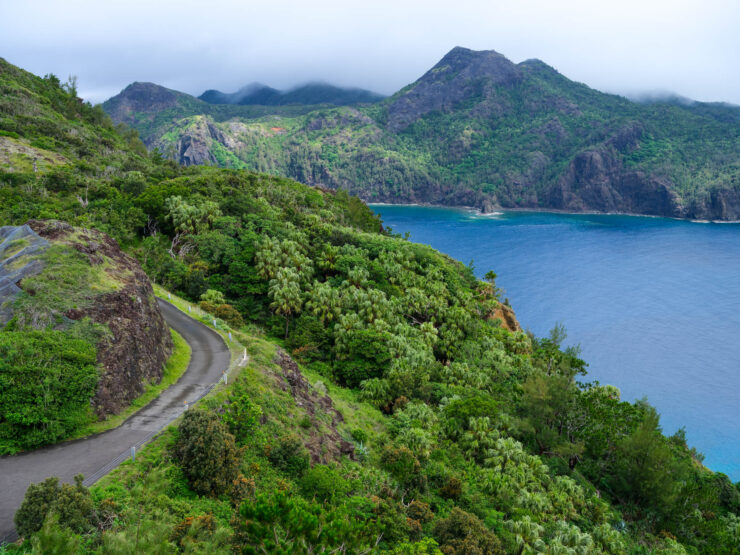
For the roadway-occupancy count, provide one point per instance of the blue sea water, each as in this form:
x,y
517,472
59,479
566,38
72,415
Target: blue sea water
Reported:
x,y
654,303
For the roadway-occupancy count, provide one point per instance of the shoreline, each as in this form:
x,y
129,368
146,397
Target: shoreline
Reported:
x,y
502,211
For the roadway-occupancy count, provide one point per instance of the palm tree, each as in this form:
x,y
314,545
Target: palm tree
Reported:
x,y
504,451
286,294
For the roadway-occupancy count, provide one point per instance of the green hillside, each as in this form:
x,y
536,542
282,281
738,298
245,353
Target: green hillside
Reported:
x,y
389,406
475,130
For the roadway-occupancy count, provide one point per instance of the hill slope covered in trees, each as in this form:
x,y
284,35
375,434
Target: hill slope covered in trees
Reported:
x,y
475,130
385,408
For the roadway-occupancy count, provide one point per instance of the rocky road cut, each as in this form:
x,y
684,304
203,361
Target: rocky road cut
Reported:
x,y
97,455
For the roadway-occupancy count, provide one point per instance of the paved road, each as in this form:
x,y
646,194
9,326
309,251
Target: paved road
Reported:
x,y
97,455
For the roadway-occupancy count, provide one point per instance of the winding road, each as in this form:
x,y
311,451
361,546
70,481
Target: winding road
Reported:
x,y
97,455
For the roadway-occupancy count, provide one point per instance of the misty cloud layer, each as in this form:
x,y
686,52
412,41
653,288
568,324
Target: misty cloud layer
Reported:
x,y
625,46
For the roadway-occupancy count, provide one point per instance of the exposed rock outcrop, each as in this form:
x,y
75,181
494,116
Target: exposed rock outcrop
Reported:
x,y
325,444
195,146
20,248
508,319
139,342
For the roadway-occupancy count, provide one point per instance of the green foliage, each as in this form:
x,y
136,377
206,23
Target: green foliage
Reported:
x,y
323,483
225,312
37,503
427,546
462,533
69,506
52,539
283,524
47,379
242,416
645,471
285,294
359,435
401,463
213,297
191,218
289,455
207,453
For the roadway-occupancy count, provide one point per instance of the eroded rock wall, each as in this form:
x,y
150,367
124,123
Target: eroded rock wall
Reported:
x,y
140,342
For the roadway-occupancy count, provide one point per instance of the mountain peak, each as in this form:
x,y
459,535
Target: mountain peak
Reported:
x,y
141,97
459,75
482,62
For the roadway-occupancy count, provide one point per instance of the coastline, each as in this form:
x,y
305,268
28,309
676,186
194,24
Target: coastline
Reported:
x,y
502,211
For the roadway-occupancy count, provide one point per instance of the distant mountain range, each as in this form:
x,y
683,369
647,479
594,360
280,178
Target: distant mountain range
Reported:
x,y
475,130
311,93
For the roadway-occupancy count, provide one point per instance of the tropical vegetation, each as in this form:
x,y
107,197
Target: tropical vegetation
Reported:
x,y
385,407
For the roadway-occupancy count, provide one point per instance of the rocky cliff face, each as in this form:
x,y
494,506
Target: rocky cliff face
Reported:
x,y
507,317
20,248
197,144
137,342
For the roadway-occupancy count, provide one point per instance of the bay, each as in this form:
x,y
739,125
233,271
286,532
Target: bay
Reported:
x,y
654,303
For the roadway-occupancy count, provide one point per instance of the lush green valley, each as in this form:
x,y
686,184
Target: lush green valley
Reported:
x,y
475,130
389,406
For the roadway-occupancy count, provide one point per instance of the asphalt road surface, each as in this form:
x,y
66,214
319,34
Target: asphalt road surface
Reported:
x,y
97,455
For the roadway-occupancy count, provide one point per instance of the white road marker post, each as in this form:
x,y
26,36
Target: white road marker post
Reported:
x,y
214,323
229,336
133,454
226,379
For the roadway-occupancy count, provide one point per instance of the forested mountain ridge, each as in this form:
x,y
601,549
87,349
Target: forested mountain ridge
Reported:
x,y
310,93
478,130
385,408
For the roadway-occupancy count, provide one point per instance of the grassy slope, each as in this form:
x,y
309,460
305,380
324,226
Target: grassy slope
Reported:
x,y
151,495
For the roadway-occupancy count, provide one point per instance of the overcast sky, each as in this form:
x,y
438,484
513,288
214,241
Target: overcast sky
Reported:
x,y
691,48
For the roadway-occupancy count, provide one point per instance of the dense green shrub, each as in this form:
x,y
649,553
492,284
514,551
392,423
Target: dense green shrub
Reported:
x,y
47,379
289,455
54,539
359,435
464,534
401,463
242,415
213,297
276,522
71,505
207,453
230,315
36,504
323,483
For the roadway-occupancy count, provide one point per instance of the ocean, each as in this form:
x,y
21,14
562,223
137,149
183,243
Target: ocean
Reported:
x,y
654,303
